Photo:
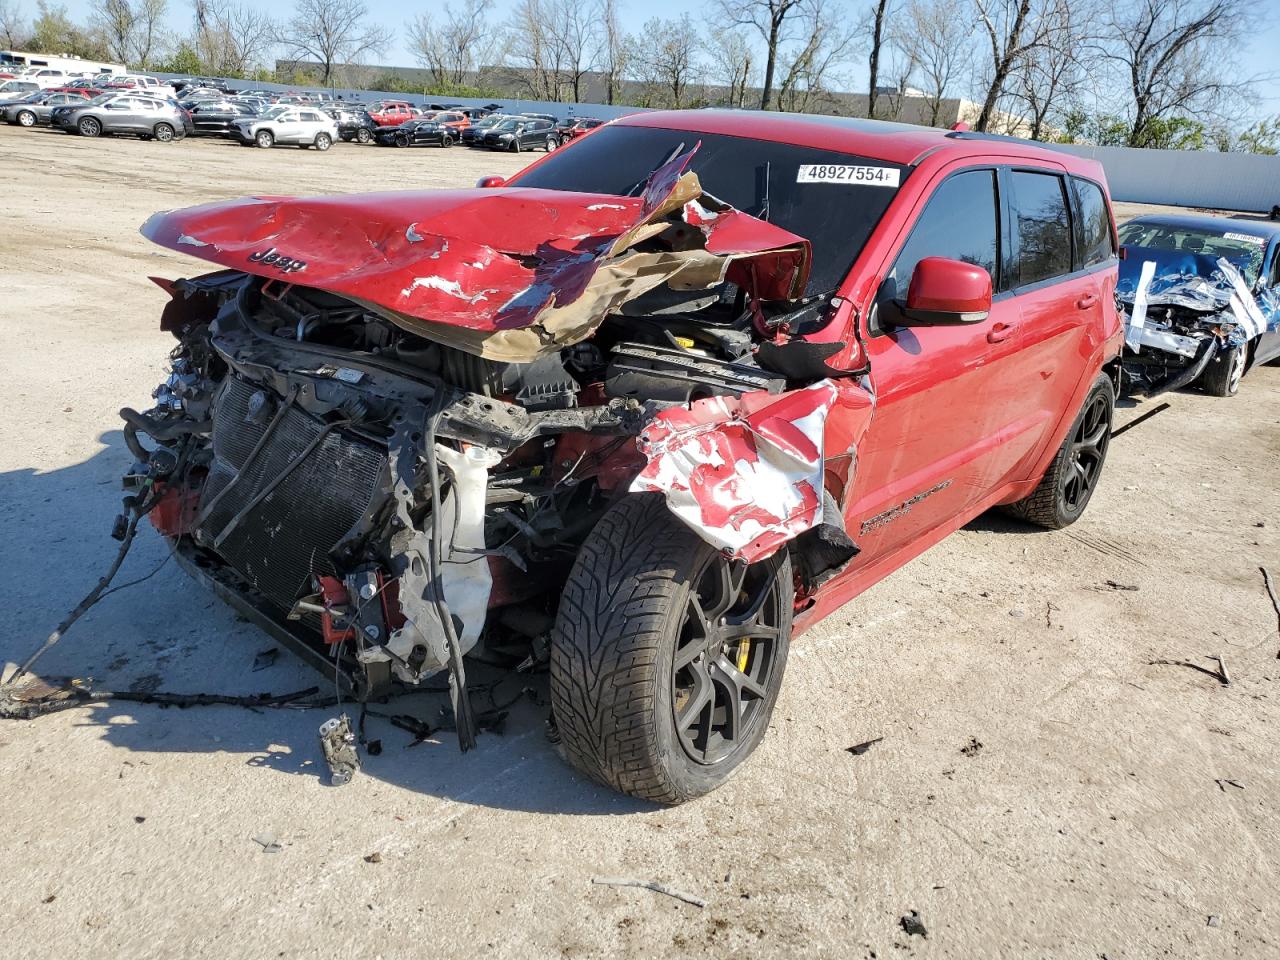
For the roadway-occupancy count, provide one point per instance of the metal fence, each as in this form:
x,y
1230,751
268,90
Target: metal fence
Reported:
x,y
1188,178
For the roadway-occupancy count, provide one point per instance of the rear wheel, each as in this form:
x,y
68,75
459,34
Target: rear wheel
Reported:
x,y
265,139
551,144
1068,484
26,118
1222,377
446,141
323,142
402,139
666,658
163,132
364,136
89,127
515,145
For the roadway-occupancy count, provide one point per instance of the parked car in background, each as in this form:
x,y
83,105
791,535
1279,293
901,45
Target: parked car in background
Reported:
x,y
391,113
47,77
214,118
16,89
456,121
141,83
82,88
36,109
416,133
288,125
522,133
574,127
354,123
473,136
145,117
1202,297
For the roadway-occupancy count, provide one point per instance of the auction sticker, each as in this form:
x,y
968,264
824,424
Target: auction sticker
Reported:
x,y
843,173
1246,237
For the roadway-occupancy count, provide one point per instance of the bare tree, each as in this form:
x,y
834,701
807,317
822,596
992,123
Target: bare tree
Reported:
x,y
613,48
936,37
770,19
13,27
1014,28
1054,72
231,37
116,20
732,66
665,57
331,32
455,44
572,33
827,45
879,10
534,57
1176,56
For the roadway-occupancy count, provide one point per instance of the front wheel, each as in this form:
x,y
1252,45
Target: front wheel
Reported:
x,y
323,142
666,658
265,139
1068,484
515,146
1222,377
89,127
446,141
26,118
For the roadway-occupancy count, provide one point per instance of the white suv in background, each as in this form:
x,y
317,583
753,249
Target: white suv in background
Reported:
x,y
288,124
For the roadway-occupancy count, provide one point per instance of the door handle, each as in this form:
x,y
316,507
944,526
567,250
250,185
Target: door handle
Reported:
x,y
1000,332
1087,301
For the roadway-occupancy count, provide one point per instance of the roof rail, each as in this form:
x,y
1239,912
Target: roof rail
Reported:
x,y
975,135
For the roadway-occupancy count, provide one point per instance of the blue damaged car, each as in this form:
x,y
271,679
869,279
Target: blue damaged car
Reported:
x,y
1201,300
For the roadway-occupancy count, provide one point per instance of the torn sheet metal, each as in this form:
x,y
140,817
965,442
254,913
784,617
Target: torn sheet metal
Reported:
x,y
508,274
1222,299
744,472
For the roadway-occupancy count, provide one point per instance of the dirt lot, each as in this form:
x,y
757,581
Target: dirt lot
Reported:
x,y
1041,788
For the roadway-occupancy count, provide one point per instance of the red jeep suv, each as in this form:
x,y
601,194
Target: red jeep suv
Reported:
x,y
639,415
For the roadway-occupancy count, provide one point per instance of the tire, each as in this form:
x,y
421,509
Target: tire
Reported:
x,y
550,145
89,127
163,132
515,145
446,141
323,142
364,136
629,650
402,140
1222,377
264,139
1068,484
26,118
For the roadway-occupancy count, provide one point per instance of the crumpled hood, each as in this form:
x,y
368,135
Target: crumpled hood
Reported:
x,y
506,273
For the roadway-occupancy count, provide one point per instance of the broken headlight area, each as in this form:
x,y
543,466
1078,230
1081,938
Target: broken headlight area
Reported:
x,y
384,503
1176,324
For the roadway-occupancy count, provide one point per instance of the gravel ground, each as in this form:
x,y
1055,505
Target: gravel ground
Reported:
x,y
1041,788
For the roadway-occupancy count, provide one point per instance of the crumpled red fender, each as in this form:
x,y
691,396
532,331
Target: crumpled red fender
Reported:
x,y
745,472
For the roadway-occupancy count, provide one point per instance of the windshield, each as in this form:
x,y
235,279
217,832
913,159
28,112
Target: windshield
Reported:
x,y
511,125
1191,251
758,177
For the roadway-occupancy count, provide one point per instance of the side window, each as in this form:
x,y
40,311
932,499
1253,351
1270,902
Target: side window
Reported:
x,y
1043,226
958,222
1093,232
313,117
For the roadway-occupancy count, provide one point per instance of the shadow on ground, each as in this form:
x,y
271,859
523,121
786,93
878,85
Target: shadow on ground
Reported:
x,y
169,634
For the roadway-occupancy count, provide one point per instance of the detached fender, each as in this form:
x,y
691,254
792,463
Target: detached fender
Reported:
x,y
746,473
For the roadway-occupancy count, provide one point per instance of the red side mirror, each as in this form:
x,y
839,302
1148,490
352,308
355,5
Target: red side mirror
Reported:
x,y
944,291
491,181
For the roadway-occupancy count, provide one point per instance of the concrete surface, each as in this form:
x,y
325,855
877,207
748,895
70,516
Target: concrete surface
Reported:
x,y
1041,788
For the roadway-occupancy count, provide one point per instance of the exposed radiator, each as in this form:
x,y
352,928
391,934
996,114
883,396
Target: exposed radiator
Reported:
x,y
287,537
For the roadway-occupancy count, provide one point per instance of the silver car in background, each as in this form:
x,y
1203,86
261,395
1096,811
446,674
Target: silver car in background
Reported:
x,y
287,123
33,111
147,117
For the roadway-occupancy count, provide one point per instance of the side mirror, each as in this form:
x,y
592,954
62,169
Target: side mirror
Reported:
x,y
490,181
944,291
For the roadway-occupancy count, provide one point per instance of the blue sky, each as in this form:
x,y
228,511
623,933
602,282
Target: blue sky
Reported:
x,y
1257,58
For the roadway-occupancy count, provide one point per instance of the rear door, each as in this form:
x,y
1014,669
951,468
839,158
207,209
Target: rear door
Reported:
x,y
931,451
286,127
1065,269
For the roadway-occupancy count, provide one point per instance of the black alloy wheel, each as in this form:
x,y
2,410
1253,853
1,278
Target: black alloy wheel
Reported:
x,y
1087,452
725,658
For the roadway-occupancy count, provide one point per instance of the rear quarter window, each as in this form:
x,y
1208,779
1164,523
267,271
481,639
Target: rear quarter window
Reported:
x,y
1043,226
1093,231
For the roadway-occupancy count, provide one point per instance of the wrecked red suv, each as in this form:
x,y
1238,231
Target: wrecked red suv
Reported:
x,y
642,413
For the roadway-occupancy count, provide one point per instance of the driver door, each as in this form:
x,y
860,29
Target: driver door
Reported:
x,y
933,452
288,128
